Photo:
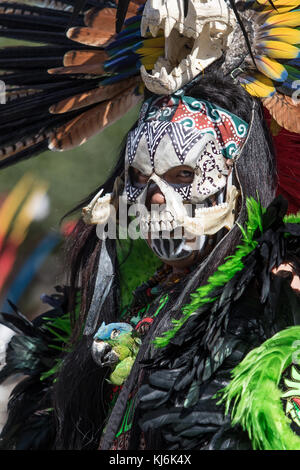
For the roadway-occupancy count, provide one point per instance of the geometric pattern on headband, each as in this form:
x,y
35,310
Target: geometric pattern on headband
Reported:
x,y
182,138
229,130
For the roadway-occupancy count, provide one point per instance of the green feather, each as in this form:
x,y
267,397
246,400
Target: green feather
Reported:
x,y
122,370
137,264
292,218
223,274
226,271
255,398
126,346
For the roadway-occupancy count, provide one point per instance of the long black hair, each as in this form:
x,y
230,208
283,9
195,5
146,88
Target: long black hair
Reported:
x,y
81,392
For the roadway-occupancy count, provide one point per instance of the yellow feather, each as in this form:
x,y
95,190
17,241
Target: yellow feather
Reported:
x,y
12,203
271,68
289,35
26,214
149,61
154,42
261,87
282,6
291,18
149,52
280,50
278,3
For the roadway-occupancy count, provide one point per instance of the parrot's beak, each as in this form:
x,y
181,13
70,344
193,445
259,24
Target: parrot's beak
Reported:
x,y
103,354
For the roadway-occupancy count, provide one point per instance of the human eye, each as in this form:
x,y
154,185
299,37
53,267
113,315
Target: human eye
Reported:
x,y
185,174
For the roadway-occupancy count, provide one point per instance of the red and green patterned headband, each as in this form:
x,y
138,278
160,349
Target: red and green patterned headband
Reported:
x,y
228,129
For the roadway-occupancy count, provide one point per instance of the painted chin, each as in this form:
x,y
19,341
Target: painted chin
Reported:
x,y
174,252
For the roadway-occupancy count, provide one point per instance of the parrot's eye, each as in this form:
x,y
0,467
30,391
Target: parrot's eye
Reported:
x,y
114,334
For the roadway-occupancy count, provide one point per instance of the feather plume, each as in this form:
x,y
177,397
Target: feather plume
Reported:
x,y
82,100
280,6
89,36
90,122
291,19
93,69
75,58
255,382
285,112
280,50
258,85
121,14
288,35
271,68
104,18
20,146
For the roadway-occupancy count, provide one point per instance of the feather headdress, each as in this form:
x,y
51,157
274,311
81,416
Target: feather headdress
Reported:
x,y
83,74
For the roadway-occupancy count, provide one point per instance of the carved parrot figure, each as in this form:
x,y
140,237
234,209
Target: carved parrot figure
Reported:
x,y
116,345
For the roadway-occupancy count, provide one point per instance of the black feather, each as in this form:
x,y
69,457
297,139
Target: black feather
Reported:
x,y
78,7
121,14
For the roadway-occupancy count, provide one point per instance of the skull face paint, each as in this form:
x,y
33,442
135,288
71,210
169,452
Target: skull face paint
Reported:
x,y
180,149
190,135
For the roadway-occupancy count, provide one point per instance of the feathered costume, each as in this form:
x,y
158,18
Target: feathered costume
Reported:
x,y
83,77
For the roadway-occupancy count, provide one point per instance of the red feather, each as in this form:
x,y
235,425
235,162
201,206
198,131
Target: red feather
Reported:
x,y
287,146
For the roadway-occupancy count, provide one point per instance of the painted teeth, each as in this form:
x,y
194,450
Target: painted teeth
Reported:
x,y
168,226
163,226
144,226
156,226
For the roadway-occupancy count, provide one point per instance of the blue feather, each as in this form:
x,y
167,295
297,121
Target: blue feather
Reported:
x,y
120,76
118,63
289,84
128,32
30,268
130,49
126,39
294,63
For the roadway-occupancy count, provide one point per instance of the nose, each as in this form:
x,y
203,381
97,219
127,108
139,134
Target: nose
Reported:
x,y
154,196
157,198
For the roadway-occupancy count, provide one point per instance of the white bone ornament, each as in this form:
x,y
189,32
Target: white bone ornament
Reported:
x,y
98,210
191,43
173,214
209,220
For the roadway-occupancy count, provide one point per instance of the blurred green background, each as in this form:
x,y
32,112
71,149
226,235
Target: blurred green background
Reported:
x,y
70,176
73,174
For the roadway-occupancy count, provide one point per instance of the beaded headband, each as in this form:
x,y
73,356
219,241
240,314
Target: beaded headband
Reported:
x,y
229,130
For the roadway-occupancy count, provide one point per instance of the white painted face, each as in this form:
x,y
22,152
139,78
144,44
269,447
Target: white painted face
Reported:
x,y
192,42
156,147
153,149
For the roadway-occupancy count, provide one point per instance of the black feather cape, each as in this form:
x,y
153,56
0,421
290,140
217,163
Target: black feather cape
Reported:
x,y
176,406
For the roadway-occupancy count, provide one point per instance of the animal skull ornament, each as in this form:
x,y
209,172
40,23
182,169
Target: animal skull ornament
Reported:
x,y
98,210
191,43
